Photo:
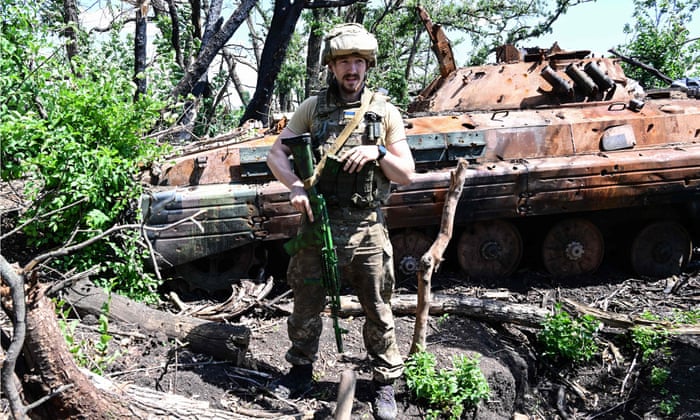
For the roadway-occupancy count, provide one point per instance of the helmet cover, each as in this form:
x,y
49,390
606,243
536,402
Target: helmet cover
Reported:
x,y
350,38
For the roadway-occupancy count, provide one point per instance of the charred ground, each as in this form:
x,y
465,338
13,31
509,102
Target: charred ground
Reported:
x,y
614,385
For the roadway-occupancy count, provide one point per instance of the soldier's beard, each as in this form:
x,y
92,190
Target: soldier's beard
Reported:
x,y
351,84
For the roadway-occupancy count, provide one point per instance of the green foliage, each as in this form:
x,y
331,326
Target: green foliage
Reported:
x,y
691,316
650,340
659,375
447,390
668,406
443,319
567,338
92,355
73,131
653,343
660,39
394,69
289,84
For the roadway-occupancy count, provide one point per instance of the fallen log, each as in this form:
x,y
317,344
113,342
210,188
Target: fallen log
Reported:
x,y
491,310
626,321
50,358
217,339
484,309
148,403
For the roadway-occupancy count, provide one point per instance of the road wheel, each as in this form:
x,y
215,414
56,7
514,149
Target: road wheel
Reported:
x,y
661,249
572,247
409,246
490,249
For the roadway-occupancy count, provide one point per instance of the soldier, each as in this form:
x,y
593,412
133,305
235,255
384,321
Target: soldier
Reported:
x,y
354,181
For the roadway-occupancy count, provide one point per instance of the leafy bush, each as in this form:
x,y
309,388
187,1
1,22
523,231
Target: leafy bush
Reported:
x,y
668,406
691,316
447,390
73,131
659,375
568,338
650,340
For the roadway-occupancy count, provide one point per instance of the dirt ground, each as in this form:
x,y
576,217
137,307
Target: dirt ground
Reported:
x,y
614,385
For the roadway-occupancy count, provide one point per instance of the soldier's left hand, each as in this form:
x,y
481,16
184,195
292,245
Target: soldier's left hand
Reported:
x,y
356,158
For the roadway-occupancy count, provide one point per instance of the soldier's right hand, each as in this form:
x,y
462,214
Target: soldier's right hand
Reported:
x,y
300,201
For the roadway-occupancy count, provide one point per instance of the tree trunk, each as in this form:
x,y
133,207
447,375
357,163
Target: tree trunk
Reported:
x,y
217,339
233,76
48,357
314,46
140,41
211,49
175,34
284,20
70,18
60,389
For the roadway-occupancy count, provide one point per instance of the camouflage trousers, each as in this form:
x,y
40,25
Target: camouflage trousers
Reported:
x,y
365,263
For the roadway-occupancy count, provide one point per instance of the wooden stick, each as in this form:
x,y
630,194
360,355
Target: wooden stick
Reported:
x,y
346,395
430,261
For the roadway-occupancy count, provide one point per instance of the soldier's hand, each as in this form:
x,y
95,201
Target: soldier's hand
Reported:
x,y
300,201
357,157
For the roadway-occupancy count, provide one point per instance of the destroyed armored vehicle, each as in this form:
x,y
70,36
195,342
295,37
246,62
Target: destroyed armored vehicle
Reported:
x,y
568,161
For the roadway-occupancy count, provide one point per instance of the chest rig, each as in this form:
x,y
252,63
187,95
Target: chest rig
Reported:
x,y
364,189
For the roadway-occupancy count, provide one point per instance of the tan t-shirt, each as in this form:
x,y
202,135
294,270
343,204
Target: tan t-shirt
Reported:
x,y
392,123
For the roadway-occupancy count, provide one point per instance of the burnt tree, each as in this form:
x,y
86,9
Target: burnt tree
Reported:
x,y
140,41
66,392
214,40
284,20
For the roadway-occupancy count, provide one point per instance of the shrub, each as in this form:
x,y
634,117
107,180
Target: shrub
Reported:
x,y
568,338
73,131
446,390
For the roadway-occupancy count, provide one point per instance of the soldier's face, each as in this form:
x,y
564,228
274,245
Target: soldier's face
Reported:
x,y
350,72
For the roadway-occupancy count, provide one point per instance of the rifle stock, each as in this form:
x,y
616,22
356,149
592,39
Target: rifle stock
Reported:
x,y
320,233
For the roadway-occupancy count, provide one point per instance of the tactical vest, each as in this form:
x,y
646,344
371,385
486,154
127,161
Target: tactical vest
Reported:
x,y
367,188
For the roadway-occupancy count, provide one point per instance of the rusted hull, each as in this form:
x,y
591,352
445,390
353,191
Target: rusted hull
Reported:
x,y
531,152
234,215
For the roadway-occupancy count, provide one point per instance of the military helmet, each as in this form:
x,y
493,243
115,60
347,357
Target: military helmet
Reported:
x,y
350,38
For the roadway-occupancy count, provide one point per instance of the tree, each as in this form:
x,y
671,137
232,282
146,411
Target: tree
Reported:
x,y
660,39
284,19
196,41
200,66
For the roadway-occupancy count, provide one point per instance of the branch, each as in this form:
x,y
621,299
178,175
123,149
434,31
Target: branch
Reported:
x,y
322,4
175,35
35,218
209,51
430,261
639,64
19,329
68,249
628,322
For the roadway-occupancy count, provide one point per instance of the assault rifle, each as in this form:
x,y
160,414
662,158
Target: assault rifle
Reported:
x,y
319,232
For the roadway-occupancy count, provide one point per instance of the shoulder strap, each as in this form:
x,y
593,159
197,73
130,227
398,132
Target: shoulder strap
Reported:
x,y
341,139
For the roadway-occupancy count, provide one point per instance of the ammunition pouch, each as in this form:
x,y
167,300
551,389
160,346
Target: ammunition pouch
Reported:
x,y
344,189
